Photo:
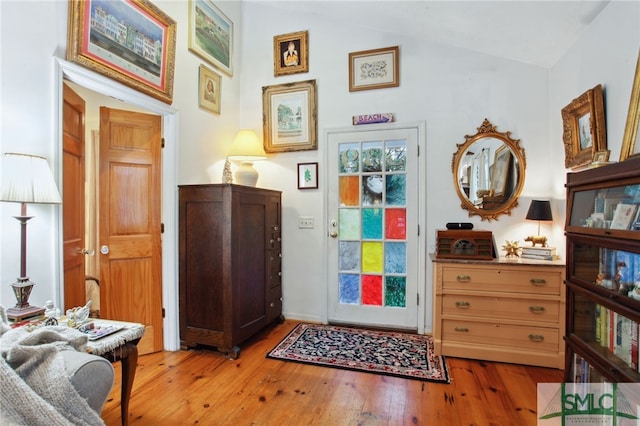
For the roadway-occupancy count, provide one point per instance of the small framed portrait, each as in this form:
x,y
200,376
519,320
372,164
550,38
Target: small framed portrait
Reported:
x,y
290,53
307,175
584,131
209,90
601,156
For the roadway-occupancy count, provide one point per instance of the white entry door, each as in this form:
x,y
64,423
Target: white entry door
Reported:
x,y
375,202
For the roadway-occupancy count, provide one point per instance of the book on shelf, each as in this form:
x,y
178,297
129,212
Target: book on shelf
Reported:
x,y
623,215
538,256
634,346
604,326
539,251
623,336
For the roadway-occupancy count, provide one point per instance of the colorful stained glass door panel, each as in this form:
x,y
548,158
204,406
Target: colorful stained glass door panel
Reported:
x,y
374,198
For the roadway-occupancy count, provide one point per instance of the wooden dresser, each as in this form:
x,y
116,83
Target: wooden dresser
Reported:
x,y
500,310
230,264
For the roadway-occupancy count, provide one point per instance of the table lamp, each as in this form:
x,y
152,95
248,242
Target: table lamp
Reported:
x,y
246,149
26,179
540,210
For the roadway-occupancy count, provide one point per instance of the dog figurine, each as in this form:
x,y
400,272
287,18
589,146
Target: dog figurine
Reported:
x,y
537,239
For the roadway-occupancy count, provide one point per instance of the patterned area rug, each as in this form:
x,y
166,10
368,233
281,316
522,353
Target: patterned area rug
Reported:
x,y
381,352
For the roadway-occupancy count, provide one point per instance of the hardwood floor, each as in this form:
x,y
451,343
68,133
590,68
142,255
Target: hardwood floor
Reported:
x,y
204,387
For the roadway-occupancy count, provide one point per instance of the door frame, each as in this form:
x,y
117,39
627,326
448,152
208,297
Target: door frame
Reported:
x,y
97,83
420,127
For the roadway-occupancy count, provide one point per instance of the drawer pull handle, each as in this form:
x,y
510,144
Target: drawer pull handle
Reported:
x,y
537,309
463,278
462,304
462,329
538,281
536,337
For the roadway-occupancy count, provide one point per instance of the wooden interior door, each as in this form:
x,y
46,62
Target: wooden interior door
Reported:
x,y
73,113
130,221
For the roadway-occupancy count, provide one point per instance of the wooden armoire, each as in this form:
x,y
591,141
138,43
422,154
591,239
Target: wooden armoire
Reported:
x,y
230,264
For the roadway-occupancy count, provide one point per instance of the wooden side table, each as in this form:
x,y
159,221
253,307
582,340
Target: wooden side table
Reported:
x,y
120,346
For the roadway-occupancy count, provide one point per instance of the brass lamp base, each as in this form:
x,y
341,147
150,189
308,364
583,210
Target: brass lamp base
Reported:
x,y
19,314
22,290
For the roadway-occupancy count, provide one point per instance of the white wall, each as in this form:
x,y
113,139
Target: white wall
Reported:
x,y
29,122
451,89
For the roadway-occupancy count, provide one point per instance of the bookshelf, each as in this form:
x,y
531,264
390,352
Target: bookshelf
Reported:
x,y
603,274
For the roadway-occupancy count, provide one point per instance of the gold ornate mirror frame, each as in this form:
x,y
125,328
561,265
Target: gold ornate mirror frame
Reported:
x,y
488,172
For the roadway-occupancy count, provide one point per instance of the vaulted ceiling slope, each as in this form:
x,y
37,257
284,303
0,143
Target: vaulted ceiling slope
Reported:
x,y
533,32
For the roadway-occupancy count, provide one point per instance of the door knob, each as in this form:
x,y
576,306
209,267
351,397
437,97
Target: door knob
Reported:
x,y
333,232
104,249
85,251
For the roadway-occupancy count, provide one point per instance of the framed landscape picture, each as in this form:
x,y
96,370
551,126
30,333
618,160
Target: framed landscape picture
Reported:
x,y
141,55
289,117
211,35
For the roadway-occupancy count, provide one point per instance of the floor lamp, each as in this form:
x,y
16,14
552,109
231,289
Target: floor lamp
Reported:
x,y
26,179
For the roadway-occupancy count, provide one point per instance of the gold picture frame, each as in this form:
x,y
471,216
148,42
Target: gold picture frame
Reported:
x,y
290,117
291,53
630,147
374,69
601,156
211,35
500,173
584,131
126,59
209,89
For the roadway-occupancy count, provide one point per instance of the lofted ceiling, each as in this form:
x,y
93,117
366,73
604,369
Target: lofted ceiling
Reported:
x,y
535,32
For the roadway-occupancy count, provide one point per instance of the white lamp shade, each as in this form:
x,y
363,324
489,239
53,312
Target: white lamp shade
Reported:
x,y
246,147
27,179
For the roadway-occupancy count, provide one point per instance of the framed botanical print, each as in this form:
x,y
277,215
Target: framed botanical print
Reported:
x,y
209,90
140,55
584,131
289,117
211,35
307,175
290,53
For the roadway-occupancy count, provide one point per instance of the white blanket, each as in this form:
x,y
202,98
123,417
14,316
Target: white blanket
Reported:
x,y
36,389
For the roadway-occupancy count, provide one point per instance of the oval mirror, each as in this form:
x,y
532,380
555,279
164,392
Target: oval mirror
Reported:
x,y
488,172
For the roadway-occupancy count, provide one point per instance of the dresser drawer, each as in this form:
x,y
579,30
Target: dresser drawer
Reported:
x,y
501,278
491,334
538,311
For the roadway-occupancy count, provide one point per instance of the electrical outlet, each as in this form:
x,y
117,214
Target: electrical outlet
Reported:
x,y
306,222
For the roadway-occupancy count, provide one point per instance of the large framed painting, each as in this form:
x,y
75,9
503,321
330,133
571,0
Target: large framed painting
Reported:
x,y
584,131
211,35
630,143
289,117
133,42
